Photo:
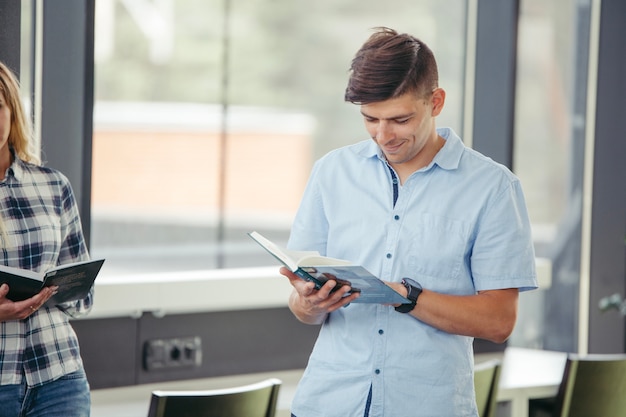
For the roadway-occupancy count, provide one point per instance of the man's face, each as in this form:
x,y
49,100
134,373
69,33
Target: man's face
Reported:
x,y
403,127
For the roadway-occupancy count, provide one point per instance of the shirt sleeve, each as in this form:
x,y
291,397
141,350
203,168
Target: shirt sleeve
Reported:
x,y
503,254
309,230
73,248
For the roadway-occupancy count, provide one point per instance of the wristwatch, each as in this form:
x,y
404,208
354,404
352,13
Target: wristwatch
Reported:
x,y
414,289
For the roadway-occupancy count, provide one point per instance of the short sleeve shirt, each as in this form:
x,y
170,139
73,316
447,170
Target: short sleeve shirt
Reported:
x,y
459,226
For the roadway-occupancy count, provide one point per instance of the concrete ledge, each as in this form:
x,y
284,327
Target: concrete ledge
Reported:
x,y
189,292
207,291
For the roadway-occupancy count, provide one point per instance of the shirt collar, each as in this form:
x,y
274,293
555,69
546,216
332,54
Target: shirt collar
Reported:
x,y
447,158
16,170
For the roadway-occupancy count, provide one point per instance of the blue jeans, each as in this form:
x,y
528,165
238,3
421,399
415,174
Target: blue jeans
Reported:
x,y
65,397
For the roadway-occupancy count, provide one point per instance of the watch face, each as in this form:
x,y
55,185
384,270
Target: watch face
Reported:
x,y
413,289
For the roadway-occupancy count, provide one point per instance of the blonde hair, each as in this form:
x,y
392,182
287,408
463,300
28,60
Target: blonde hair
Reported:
x,y
20,130
20,133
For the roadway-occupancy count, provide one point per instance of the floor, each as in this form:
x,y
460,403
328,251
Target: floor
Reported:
x,y
134,401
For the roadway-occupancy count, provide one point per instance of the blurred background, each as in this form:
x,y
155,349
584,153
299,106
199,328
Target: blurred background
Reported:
x,y
203,119
209,114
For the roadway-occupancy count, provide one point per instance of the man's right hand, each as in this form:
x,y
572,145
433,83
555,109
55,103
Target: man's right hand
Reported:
x,y
311,306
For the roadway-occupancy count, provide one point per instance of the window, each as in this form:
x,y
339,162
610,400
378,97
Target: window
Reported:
x,y
549,145
209,115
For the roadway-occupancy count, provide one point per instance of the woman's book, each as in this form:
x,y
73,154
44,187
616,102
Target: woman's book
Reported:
x,y
311,266
74,281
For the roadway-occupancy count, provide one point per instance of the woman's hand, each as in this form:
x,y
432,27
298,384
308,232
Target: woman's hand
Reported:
x,y
19,310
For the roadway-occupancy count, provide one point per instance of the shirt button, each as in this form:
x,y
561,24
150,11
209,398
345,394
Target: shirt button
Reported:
x,y
381,331
388,256
377,371
396,217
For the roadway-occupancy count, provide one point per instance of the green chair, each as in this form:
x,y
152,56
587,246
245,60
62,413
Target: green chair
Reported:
x,y
486,379
254,400
592,385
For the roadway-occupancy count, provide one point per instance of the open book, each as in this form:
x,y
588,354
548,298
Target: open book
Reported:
x,y
74,281
311,266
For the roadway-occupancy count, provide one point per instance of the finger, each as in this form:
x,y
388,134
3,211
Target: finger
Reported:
x,y
28,306
290,275
333,294
39,299
341,292
304,288
50,291
330,289
344,301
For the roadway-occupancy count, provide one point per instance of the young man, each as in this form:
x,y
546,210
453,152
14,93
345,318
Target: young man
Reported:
x,y
441,223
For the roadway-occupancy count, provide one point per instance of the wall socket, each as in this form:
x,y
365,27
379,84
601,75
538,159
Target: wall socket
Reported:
x,y
177,352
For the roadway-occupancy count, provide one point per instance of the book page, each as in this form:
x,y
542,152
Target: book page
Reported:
x,y
26,273
293,259
315,259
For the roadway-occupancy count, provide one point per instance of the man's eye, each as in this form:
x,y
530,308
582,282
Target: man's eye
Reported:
x,y
402,121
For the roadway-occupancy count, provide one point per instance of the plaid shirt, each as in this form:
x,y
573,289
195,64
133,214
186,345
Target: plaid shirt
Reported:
x,y
43,228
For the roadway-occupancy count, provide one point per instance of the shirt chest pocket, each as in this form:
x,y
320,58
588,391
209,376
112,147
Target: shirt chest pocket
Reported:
x,y
41,239
438,247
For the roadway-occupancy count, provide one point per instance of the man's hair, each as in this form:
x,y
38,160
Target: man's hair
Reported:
x,y
389,65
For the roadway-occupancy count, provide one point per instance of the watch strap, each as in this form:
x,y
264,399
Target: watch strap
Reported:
x,y
414,289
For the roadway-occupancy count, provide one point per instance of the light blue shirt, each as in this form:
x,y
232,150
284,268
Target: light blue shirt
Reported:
x,y
459,226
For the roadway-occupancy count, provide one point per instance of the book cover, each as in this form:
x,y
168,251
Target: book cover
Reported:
x,y
311,266
74,281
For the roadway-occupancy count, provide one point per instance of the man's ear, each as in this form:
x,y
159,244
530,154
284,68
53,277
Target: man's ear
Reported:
x,y
438,99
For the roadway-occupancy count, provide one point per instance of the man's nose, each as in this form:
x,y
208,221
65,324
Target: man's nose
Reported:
x,y
384,131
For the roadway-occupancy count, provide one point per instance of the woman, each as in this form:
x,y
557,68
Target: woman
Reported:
x,y
41,371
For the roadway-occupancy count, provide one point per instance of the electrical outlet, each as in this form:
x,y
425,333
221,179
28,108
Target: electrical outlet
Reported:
x,y
172,353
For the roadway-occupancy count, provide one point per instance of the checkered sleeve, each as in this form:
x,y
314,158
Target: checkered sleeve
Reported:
x,y
73,247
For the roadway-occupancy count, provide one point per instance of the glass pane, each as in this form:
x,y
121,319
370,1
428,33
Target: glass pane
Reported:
x,y
26,70
549,136
209,115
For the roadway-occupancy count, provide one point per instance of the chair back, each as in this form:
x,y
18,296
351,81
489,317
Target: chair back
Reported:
x,y
593,385
486,379
254,400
